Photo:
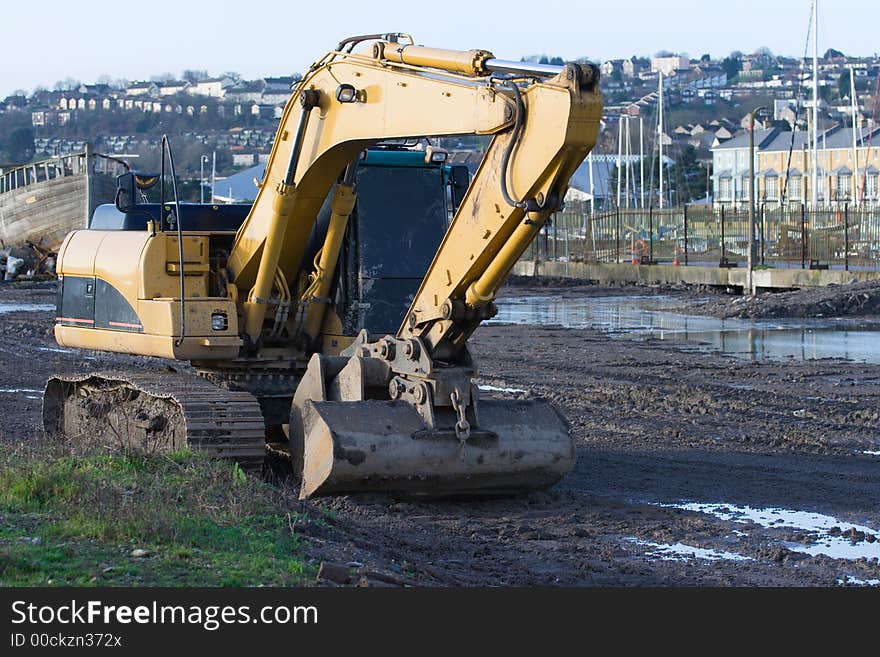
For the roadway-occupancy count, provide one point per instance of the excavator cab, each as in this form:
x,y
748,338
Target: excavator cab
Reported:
x,y
403,209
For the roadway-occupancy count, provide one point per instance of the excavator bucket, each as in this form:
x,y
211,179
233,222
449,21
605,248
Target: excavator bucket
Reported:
x,y
386,445
383,445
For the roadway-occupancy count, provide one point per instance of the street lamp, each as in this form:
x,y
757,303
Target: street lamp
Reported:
x,y
202,161
751,252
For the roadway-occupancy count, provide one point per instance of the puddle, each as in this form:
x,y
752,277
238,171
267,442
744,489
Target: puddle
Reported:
x,y
25,307
855,581
817,525
27,393
682,552
651,317
488,388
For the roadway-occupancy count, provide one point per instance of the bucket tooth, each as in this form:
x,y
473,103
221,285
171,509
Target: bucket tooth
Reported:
x,y
385,445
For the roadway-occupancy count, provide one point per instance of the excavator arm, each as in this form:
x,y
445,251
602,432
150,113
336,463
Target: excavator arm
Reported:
x,y
402,412
348,102
319,135
520,183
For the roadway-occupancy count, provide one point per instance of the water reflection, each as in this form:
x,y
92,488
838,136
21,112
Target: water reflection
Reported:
x,y
651,317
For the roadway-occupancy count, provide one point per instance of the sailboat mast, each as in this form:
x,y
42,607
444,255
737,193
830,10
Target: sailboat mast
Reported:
x,y
660,138
628,163
854,106
641,163
814,181
619,155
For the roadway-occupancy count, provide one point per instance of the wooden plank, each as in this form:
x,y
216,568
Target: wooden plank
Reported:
x,y
48,210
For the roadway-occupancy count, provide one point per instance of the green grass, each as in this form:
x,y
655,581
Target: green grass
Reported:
x,y
69,519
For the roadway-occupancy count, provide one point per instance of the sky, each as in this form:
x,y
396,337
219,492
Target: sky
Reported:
x,y
58,39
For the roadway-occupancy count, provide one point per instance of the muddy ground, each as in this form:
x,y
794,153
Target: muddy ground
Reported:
x,y
654,425
853,300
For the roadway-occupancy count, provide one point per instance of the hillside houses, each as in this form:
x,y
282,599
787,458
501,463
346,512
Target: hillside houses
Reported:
x,y
261,99
211,87
245,92
150,89
173,87
671,65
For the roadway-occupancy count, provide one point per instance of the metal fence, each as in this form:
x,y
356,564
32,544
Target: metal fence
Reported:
x,y
836,238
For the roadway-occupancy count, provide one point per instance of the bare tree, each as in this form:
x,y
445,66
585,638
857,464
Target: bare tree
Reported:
x,y
193,76
66,84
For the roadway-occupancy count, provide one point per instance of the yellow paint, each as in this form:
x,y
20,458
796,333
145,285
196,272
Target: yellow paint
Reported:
x,y
343,204
336,135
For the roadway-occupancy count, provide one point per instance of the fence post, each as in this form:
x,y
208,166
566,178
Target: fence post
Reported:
x,y
846,237
650,236
763,219
685,235
617,236
567,246
803,236
546,230
587,230
722,233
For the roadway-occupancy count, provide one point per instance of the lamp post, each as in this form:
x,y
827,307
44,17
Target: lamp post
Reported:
x,y
202,161
213,173
751,236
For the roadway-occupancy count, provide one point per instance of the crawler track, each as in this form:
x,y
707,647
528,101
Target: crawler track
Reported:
x,y
155,413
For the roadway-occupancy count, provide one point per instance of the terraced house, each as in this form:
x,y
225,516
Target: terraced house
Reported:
x,y
783,168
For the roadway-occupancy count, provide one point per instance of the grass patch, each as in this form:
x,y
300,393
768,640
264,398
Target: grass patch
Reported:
x,y
179,520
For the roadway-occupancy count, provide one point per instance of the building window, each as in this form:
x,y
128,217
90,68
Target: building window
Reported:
x,y
794,188
744,189
771,188
871,186
724,189
844,187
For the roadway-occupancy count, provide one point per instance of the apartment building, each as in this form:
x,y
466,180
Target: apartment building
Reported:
x,y
783,168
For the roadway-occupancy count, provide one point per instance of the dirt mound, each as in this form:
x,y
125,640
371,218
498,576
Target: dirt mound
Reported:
x,y
852,300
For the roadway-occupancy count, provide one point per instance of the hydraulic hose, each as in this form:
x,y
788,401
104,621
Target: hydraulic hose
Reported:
x,y
167,144
529,205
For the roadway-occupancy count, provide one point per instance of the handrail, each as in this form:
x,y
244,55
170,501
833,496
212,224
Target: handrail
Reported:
x,y
59,166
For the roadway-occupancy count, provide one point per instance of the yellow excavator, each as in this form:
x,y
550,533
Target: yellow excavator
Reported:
x,y
330,318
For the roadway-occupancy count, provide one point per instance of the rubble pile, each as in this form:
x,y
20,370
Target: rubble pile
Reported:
x,y
28,263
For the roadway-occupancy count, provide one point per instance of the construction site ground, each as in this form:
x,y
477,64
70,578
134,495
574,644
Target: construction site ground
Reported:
x,y
693,468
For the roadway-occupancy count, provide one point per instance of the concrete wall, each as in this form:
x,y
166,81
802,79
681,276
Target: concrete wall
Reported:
x,y
666,274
